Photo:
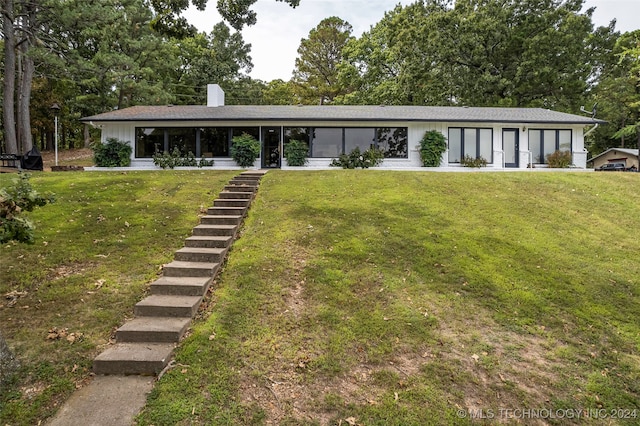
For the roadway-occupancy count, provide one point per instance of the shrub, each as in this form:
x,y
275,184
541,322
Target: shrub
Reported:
x,y
469,161
355,159
432,145
245,149
559,159
14,200
167,160
296,153
113,153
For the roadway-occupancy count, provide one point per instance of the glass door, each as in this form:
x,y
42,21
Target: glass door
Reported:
x,y
510,147
271,147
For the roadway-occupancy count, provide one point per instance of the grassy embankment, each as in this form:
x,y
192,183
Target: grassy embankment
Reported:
x,y
352,296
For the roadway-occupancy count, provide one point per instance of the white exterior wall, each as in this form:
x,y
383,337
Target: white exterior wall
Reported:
x,y
126,132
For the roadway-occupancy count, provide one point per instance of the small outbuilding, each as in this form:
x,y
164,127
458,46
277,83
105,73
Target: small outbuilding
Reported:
x,y
629,157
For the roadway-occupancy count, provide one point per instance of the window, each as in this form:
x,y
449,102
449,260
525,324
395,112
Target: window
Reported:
x,y
183,138
326,142
253,131
362,138
148,141
547,141
392,141
214,142
473,142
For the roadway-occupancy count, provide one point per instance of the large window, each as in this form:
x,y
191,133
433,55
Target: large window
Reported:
x,y
148,141
326,142
329,142
214,142
202,142
547,141
473,142
392,141
183,138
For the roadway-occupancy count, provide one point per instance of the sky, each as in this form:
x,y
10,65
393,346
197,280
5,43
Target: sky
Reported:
x,y
276,36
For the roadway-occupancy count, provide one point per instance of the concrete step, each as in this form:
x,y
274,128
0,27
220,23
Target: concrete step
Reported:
x,y
241,188
208,241
231,202
134,358
190,269
248,176
247,182
167,306
236,195
200,254
153,329
225,210
220,219
259,173
180,286
215,230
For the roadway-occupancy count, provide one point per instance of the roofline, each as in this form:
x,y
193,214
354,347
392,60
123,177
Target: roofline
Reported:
x,y
610,149
412,120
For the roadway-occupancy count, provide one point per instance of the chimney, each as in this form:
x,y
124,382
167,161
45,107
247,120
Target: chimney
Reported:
x,y
215,95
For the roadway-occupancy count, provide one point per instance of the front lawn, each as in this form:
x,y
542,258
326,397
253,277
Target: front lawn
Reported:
x,y
351,297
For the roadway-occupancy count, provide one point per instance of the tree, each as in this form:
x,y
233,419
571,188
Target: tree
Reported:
x,y
316,72
478,52
237,13
629,45
219,57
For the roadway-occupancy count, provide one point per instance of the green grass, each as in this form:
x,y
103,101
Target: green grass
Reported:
x,y
373,296
97,249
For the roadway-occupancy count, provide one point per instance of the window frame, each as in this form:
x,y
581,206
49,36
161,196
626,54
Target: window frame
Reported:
x,y
462,142
542,132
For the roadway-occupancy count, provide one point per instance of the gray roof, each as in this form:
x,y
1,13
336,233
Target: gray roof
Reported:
x,y
309,113
632,152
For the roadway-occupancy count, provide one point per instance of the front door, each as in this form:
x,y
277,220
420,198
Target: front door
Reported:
x,y
271,147
510,147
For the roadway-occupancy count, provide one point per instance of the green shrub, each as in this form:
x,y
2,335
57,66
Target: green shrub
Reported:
x,y
113,153
21,197
432,145
174,159
469,161
296,153
356,159
245,149
559,159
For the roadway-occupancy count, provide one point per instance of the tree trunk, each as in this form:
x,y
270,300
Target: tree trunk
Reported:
x,y
9,86
87,136
24,99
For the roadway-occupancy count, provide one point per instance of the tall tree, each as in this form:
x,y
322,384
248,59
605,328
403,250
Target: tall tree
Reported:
x,y
629,45
237,13
9,84
316,72
478,52
218,57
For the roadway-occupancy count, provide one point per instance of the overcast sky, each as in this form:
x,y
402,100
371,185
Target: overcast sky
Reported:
x,y
276,37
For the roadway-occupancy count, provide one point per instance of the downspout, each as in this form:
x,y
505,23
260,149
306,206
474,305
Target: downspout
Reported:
x,y
591,130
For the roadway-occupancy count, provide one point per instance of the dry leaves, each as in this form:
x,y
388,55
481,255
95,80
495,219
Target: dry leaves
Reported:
x,y
13,297
63,333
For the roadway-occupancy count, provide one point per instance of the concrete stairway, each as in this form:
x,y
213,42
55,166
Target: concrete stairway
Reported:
x,y
145,344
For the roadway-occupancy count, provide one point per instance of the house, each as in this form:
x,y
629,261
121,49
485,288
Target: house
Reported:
x,y
617,155
505,137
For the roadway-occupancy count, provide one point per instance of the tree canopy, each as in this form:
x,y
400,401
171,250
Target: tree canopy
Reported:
x,y
92,57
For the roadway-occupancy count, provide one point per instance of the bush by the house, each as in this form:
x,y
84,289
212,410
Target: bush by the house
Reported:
x,y
166,160
432,145
14,200
112,153
559,159
245,149
356,159
296,153
469,161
